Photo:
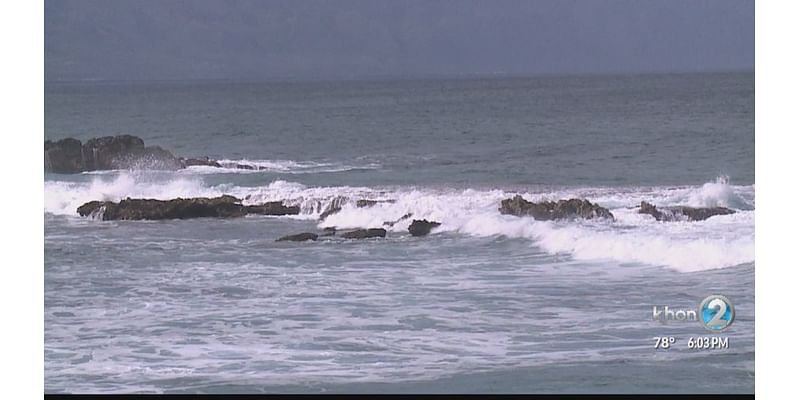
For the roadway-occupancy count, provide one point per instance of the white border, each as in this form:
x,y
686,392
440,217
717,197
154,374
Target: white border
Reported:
x,y
22,280
777,113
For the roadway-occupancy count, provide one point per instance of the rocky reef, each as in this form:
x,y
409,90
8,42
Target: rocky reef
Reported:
x,y
70,156
682,213
552,210
197,207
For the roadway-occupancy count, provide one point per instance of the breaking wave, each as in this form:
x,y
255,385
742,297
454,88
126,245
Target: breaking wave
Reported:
x,y
721,241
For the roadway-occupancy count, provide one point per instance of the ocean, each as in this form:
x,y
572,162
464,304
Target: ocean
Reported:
x,y
485,303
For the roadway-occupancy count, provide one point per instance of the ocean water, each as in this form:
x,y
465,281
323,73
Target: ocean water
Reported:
x,y
485,303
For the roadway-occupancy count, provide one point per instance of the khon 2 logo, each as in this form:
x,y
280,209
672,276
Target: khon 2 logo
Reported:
x,y
715,312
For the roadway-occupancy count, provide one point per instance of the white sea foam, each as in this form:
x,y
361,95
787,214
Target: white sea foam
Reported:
x,y
718,242
230,166
277,166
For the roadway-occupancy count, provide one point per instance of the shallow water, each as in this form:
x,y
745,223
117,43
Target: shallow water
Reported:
x,y
486,303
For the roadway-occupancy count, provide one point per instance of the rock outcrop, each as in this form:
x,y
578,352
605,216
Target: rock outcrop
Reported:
x,y
337,203
125,152
69,156
422,227
365,233
272,208
204,161
369,203
64,156
328,212
198,207
334,206
550,210
682,213
300,237
392,223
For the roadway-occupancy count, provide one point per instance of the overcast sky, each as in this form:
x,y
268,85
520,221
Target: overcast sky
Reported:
x,y
315,39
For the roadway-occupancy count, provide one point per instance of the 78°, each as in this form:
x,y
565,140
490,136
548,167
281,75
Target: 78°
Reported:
x,y
663,342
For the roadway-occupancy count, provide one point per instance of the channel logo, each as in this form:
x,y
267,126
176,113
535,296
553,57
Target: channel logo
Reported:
x,y
715,312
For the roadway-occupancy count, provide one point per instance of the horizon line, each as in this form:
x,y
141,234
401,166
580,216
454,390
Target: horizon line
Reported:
x,y
409,77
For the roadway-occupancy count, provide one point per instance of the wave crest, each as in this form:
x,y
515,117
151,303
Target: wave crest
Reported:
x,y
718,242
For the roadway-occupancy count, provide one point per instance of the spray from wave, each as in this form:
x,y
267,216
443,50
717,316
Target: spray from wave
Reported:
x,y
64,198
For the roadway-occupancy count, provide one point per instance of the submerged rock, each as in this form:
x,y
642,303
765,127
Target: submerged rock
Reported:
x,y
682,213
365,233
422,227
300,237
198,207
549,210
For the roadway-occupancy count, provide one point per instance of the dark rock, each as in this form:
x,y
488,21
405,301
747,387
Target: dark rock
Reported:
x,y
370,203
234,165
300,237
682,213
549,210
392,223
93,208
366,203
273,208
64,156
151,157
104,153
150,209
198,207
647,208
119,152
334,206
328,212
422,227
329,231
205,161
365,233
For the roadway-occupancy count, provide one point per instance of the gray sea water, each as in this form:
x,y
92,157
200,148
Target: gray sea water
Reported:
x,y
486,303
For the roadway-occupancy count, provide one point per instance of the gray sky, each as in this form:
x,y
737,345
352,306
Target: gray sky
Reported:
x,y
315,39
